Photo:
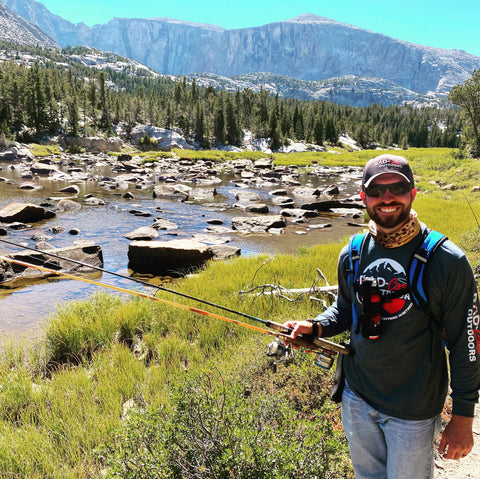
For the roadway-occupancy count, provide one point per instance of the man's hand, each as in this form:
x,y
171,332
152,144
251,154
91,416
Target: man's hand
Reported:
x,y
457,439
301,327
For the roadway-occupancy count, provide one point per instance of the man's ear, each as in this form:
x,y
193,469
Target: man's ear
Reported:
x,y
413,193
363,196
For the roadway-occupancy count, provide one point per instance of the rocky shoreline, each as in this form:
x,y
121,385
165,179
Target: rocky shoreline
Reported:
x,y
266,197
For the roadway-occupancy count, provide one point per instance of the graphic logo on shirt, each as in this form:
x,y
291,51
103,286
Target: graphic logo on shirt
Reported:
x,y
473,322
392,281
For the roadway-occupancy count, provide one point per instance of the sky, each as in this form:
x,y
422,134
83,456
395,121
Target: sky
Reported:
x,y
435,23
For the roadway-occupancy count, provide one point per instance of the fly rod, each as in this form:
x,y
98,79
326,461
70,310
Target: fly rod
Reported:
x,y
316,345
139,281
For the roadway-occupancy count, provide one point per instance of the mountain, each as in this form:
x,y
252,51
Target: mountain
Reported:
x,y
346,90
14,28
307,48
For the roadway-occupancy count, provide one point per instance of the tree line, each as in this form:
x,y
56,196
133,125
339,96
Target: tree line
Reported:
x,y
52,97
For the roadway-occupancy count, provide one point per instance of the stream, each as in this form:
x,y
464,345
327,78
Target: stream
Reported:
x,y
24,310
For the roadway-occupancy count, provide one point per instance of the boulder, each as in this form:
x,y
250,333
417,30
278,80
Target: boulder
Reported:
x,y
257,208
222,251
14,275
144,233
75,189
17,154
96,143
257,224
165,139
329,205
172,192
67,205
29,185
299,213
163,224
25,213
43,169
173,258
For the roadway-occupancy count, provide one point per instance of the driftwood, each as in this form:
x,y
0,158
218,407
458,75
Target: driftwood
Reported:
x,y
294,294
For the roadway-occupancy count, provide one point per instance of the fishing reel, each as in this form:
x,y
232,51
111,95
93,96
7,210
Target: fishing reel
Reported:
x,y
280,350
325,358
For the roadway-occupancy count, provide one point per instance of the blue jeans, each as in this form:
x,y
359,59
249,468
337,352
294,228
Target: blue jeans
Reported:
x,y
384,447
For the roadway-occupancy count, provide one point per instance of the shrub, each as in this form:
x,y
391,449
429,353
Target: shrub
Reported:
x,y
218,430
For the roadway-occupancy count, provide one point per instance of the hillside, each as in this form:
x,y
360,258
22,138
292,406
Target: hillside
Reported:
x,y
307,48
15,29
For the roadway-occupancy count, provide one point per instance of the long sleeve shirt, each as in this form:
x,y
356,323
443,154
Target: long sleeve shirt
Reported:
x,y
404,373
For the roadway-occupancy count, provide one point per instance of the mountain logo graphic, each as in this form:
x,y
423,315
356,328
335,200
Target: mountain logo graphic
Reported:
x,y
392,281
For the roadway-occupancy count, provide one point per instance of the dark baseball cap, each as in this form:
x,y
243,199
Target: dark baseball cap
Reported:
x,y
383,164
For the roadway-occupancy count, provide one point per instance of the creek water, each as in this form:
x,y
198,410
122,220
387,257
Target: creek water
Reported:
x,y
24,310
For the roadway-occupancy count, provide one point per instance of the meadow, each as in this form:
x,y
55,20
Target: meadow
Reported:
x,y
139,389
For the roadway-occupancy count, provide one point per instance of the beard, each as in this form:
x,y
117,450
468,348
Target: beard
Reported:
x,y
391,221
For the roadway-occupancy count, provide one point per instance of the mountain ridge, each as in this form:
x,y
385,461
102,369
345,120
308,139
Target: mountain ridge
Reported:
x,y
308,48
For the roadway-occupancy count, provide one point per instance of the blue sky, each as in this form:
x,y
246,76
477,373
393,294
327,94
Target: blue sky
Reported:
x,y
436,23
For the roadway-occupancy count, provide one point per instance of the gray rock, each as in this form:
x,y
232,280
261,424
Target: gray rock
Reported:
x,y
24,212
70,189
144,233
16,275
174,258
257,224
163,224
173,192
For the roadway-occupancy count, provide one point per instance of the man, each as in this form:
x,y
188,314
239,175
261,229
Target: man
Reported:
x,y
397,376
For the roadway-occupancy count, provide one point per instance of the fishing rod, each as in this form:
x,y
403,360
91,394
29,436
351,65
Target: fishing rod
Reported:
x,y
326,349
471,209
139,281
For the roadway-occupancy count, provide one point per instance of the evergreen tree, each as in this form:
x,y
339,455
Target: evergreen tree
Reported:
x,y
219,125
318,132
233,131
467,96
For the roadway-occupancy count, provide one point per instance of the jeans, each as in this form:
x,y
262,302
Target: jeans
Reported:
x,y
384,447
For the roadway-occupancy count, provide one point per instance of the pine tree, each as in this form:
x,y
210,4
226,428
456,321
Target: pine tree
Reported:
x,y
233,131
219,121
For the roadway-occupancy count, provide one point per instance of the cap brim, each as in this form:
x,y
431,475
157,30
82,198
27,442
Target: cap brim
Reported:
x,y
385,173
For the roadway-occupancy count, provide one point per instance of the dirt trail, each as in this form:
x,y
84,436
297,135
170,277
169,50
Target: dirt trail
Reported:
x,y
466,468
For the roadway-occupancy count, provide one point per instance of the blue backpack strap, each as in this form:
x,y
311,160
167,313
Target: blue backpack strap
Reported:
x,y
355,246
418,265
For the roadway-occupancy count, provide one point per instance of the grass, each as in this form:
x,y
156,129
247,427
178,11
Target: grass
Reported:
x,y
64,398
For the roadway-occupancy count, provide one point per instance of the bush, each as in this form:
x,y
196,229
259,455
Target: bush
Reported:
x,y
216,430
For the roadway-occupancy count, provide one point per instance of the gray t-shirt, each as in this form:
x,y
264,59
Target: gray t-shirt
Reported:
x,y
404,372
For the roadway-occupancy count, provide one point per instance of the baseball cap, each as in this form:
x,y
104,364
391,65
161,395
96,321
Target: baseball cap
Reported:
x,y
383,164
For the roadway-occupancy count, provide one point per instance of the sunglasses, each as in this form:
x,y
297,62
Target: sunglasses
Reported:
x,y
396,189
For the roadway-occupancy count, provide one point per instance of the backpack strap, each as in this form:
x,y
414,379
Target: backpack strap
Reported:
x,y
355,247
418,265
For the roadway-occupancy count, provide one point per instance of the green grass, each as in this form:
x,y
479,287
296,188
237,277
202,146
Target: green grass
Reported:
x,y
63,397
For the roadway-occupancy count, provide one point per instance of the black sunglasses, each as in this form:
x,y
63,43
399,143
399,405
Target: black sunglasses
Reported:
x,y
396,189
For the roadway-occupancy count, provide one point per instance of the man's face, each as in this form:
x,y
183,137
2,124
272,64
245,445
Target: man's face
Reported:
x,y
389,211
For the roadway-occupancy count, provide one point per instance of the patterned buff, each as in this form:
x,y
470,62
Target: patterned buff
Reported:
x,y
398,238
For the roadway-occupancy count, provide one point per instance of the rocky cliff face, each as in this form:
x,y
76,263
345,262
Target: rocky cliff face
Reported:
x,y
307,47
15,29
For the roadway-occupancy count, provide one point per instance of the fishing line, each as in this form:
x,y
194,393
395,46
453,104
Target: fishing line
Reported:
x,y
471,209
139,281
317,345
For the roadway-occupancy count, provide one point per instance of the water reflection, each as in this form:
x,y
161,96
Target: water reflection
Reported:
x,y
24,310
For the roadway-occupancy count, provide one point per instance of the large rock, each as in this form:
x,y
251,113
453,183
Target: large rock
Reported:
x,y
172,192
15,275
43,169
172,258
24,213
258,224
144,233
165,139
329,205
17,154
96,143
